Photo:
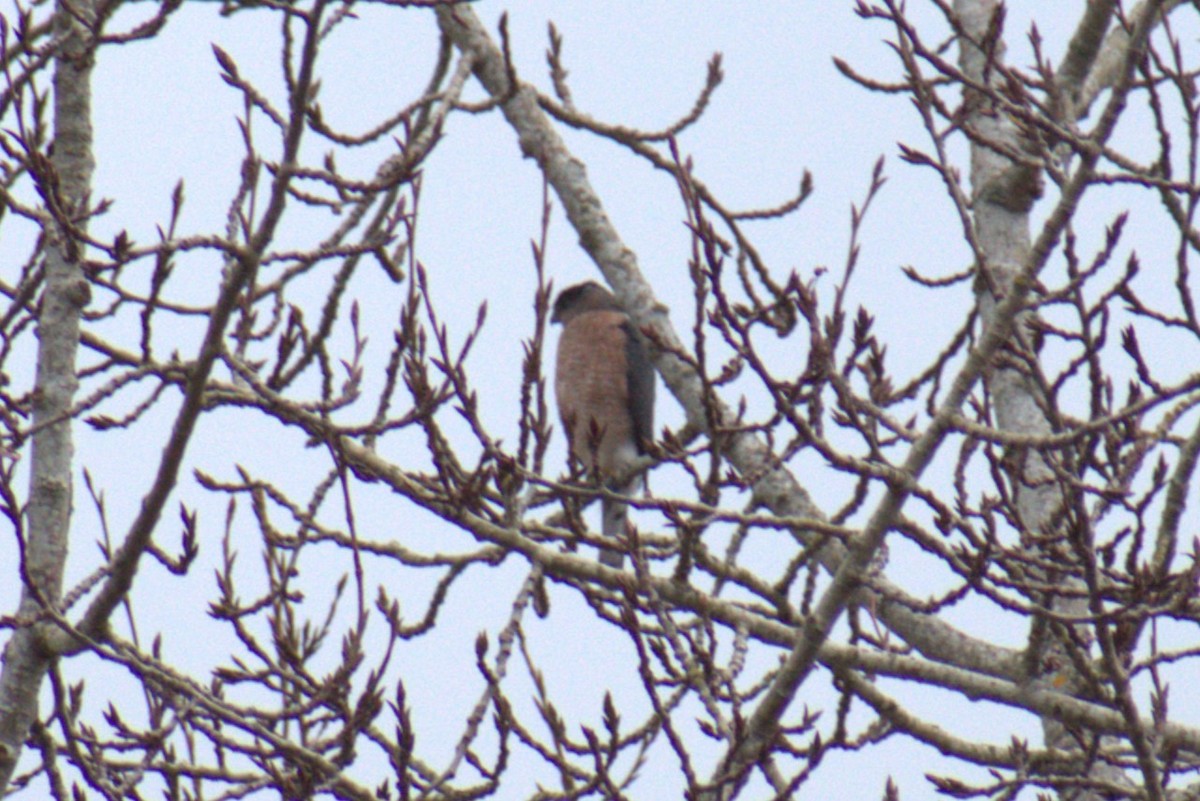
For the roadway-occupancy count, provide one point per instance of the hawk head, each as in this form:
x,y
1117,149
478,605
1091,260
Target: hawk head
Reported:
x,y
582,298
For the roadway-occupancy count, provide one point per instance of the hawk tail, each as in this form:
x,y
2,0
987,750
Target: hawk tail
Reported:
x,y
615,524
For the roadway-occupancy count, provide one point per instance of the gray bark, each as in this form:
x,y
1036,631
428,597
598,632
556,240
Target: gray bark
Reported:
x,y
1003,193
66,185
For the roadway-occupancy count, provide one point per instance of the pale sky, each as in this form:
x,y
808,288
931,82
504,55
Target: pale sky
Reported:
x,y
162,113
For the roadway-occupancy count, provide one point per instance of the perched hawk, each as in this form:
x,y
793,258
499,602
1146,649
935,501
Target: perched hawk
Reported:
x,y
604,384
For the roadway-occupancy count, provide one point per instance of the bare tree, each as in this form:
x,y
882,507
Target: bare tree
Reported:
x,y
1041,463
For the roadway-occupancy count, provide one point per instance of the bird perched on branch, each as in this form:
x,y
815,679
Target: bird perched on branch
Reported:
x,y
604,384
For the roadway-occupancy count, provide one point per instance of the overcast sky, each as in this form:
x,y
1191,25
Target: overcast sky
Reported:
x,y
163,113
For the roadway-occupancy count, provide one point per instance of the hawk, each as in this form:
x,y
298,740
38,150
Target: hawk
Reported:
x,y
604,385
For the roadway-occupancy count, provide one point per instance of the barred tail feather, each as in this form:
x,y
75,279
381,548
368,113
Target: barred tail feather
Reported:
x,y
614,518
